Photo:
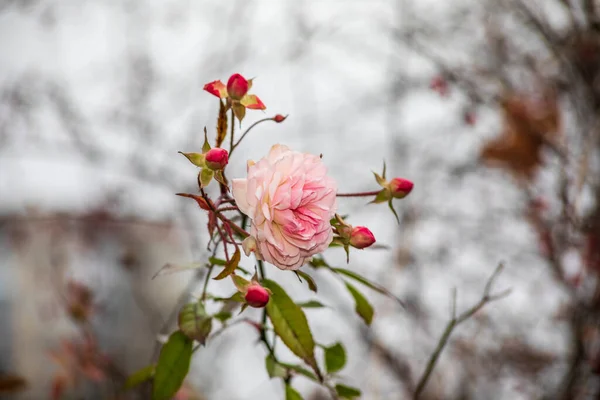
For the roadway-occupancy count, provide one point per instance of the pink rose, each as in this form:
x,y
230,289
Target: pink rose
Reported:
x,y
290,199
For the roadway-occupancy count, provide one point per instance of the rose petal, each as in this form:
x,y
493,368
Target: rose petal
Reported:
x,y
240,190
216,88
252,102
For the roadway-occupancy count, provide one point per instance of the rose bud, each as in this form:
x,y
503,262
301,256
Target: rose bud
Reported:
x,y
400,187
237,86
256,295
361,237
216,158
279,118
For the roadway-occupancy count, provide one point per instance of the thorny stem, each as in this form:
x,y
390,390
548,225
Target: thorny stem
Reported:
x,y
231,147
359,194
454,322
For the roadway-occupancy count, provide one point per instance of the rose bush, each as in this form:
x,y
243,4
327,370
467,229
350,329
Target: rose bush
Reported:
x,y
290,200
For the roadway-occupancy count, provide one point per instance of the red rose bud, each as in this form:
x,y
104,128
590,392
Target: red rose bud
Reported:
x,y
216,88
361,237
400,187
256,296
237,86
279,118
216,158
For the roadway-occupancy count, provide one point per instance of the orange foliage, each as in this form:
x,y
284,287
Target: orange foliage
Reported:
x,y
529,123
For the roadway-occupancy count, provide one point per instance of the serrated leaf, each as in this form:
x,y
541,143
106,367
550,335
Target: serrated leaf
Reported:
x,y
206,145
195,158
362,307
347,392
312,304
140,376
274,369
300,370
309,280
231,266
291,393
290,323
335,358
205,177
221,124
172,367
170,268
194,322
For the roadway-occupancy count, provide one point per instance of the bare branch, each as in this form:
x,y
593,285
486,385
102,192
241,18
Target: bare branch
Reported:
x,y
454,322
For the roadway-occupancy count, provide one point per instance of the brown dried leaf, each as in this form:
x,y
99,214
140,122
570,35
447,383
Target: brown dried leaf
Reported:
x,y
529,123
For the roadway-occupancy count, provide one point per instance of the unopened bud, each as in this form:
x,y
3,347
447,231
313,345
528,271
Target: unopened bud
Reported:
x,y
279,118
237,86
361,237
400,187
216,158
256,296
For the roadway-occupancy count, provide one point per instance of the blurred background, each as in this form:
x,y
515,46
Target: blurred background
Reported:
x,y
489,106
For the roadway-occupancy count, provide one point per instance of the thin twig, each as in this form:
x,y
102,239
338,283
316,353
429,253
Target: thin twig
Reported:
x,y
246,132
454,322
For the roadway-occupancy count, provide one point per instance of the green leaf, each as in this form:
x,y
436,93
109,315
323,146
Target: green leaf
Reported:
x,y
173,366
221,124
194,322
231,266
335,358
318,262
362,307
205,177
140,376
217,261
311,304
274,369
309,280
290,324
291,393
347,391
223,315
368,283
300,370
195,158
170,268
